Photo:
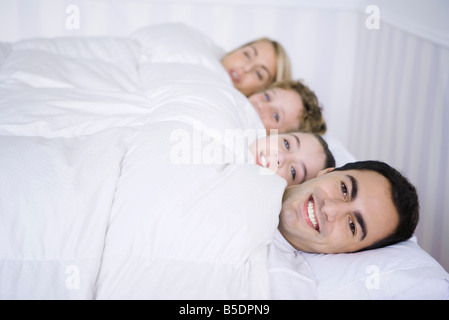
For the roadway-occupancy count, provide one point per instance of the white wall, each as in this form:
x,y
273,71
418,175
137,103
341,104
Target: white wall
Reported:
x,y
384,91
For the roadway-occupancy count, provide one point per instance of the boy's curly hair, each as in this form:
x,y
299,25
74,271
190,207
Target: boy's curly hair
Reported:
x,y
311,120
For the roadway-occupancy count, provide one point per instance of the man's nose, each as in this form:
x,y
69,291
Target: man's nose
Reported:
x,y
334,209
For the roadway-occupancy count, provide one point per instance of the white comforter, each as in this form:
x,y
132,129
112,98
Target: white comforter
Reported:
x,y
96,202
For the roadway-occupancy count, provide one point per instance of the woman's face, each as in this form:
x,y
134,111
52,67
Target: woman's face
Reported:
x,y
278,108
296,157
252,67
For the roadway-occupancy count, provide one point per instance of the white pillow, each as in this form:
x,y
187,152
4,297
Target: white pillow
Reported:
x,y
339,151
400,271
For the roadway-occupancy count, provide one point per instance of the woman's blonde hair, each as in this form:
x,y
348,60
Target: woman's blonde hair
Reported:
x,y
283,65
311,120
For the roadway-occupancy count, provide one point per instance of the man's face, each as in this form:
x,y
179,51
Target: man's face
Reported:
x,y
337,212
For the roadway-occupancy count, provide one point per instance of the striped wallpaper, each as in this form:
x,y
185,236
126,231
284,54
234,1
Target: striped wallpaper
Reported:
x,y
401,116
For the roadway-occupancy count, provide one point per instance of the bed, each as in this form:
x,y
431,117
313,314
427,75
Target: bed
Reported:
x,y
125,175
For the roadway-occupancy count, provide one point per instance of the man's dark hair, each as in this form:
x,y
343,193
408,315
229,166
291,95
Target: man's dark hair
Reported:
x,y
404,196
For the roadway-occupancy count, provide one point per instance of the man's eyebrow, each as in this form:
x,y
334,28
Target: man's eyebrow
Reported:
x,y
358,215
354,187
361,222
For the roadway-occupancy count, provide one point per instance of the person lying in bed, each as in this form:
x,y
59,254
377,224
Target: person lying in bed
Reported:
x,y
295,156
256,65
261,70
289,106
359,206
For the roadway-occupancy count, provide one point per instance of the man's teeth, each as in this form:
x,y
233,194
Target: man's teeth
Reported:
x,y
263,161
311,214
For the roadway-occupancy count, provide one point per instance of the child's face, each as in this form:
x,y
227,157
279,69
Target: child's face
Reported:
x,y
252,67
278,109
296,157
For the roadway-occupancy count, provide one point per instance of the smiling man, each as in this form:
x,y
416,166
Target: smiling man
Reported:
x,y
362,205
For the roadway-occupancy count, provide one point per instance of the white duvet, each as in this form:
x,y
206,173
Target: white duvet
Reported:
x,y
96,202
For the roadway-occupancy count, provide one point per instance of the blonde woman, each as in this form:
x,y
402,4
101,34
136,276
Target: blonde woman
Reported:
x,y
256,65
289,106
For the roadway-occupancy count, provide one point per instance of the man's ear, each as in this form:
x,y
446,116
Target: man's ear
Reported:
x,y
324,171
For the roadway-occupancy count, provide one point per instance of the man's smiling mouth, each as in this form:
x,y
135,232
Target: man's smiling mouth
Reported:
x,y
311,214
